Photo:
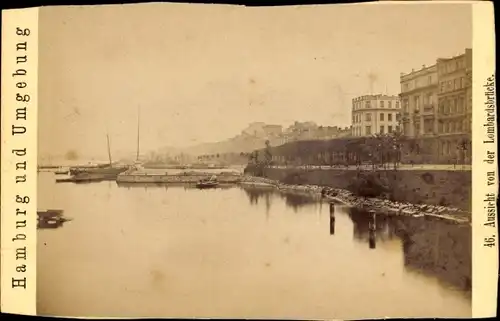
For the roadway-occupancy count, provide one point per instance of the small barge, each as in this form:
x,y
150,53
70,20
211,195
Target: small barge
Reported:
x,y
208,183
191,177
51,219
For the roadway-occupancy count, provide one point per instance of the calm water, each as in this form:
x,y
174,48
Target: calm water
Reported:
x,y
255,253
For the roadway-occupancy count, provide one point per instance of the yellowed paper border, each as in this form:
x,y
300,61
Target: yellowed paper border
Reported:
x,y
19,160
484,160
23,301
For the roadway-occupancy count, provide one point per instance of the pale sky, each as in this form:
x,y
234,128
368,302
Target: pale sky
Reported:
x,y
201,73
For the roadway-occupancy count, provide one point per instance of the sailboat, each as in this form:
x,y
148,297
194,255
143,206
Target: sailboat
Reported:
x,y
138,163
127,176
109,171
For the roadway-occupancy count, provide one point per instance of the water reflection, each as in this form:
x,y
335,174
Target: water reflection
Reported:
x,y
298,201
144,186
181,251
440,248
166,186
367,226
431,246
295,201
255,194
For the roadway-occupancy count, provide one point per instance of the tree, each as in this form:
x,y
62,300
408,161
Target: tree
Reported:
x,y
463,147
256,156
251,159
397,139
268,156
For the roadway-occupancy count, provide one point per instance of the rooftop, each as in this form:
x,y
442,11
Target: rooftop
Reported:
x,y
375,96
426,69
456,56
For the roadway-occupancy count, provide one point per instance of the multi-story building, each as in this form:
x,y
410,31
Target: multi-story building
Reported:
x,y
437,108
375,114
454,101
419,102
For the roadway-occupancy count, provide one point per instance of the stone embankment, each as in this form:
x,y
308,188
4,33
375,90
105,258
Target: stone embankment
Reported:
x,y
381,206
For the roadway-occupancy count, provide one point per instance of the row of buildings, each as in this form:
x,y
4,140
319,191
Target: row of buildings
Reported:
x,y
433,111
434,107
298,131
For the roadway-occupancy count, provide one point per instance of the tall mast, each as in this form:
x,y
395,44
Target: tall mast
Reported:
x,y
138,131
109,150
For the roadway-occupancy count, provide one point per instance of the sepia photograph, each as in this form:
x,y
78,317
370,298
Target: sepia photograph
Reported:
x,y
223,161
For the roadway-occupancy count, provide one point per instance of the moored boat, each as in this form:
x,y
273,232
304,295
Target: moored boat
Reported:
x,y
208,183
109,170
51,219
61,171
88,177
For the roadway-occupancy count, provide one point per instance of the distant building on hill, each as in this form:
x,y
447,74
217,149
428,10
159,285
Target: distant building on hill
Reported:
x,y
262,130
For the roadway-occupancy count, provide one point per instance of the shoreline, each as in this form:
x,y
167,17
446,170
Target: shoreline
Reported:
x,y
378,205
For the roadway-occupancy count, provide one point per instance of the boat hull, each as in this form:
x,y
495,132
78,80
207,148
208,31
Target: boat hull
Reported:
x,y
101,171
206,185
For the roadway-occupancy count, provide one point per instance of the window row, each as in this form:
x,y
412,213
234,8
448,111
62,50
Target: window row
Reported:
x,y
373,104
452,66
419,101
418,83
382,117
451,85
452,106
368,131
454,126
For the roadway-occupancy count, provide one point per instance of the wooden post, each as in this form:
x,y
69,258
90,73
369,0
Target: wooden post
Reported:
x,y
372,225
332,209
332,218
332,225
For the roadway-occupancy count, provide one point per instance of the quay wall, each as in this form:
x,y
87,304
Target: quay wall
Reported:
x,y
436,187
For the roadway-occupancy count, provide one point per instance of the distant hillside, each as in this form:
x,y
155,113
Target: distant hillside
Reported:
x,y
238,144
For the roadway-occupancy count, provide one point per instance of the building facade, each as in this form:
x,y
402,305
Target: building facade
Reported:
x,y
454,101
375,114
437,108
419,102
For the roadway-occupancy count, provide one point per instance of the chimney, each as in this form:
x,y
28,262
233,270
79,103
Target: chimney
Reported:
x,y
423,66
412,70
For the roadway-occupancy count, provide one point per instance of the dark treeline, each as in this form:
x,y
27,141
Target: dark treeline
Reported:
x,y
382,150
380,156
